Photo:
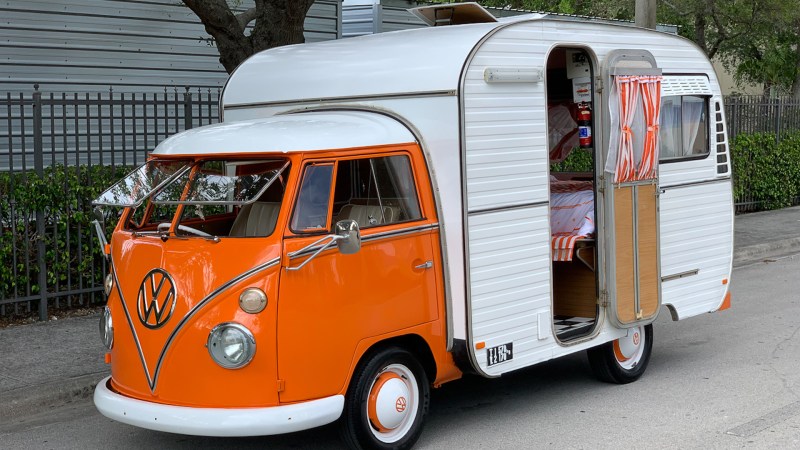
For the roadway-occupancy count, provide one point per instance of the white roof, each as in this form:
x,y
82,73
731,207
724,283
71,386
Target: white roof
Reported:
x,y
289,133
401,62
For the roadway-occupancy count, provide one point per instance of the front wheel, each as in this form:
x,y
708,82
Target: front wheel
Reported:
x,y
386,402
625,359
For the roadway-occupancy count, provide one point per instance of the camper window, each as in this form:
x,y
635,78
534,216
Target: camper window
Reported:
x,y
684,129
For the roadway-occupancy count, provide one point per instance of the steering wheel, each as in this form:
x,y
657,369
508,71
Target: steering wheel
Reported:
x,y
165,227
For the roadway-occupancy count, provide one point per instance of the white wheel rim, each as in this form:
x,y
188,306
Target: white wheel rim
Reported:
x,y
395,402
628,350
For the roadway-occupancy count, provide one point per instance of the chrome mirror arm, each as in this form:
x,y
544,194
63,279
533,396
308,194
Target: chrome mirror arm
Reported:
x,y
101,237
333,238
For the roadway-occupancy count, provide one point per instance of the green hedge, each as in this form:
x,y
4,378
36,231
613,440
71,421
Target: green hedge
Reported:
x,y
64,194
766,172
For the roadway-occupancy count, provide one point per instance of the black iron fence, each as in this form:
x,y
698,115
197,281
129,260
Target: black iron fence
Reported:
x,y
56,152
776,117
760,114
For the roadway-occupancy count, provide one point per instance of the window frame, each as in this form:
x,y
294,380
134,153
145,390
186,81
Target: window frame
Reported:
x,y
331,205
707,110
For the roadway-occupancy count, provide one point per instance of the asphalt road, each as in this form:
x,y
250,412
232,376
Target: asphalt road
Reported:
x,y
724,380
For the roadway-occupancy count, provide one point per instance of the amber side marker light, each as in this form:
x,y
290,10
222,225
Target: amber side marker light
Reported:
x,y
480,345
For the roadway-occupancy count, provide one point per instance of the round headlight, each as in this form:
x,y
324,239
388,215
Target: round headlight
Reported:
x,y
107,328
108,284
231,345
253,300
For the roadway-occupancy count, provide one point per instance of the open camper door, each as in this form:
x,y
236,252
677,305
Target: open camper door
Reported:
x,y
631,174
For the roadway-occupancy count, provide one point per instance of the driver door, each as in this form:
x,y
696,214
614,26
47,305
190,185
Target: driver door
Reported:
x,y
330,302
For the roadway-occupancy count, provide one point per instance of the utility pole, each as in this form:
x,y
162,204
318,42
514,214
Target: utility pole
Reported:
x,y
646,14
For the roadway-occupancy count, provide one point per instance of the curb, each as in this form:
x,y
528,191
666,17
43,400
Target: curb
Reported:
x,y
28,400
753,253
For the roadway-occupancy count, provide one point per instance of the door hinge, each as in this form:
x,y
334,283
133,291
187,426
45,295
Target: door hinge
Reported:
x,y
281,385
603,300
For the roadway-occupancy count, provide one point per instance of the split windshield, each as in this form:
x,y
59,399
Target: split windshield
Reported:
x,y
221,183
208,198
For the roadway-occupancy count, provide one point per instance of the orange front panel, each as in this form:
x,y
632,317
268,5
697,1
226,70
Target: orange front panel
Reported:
x,y
335,301
170,363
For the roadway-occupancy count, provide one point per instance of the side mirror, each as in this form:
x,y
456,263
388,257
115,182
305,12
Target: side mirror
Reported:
x,y
349,236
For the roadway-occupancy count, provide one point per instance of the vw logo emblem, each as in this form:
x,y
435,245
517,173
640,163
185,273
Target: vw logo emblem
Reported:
x,y
400,404
156,299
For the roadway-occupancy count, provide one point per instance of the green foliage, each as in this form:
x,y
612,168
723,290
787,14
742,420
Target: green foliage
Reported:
x,y
766,171
72,254
577,161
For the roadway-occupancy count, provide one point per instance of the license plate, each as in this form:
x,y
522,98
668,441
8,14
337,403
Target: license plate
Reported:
x,y
499,354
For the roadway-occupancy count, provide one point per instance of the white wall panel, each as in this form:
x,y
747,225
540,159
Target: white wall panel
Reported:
x,y
696,234
509,259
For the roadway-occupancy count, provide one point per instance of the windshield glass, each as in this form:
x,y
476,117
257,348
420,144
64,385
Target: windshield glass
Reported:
x,y
218,182
139,184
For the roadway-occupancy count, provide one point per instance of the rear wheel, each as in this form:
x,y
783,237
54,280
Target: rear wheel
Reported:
x,y
625,359
386,403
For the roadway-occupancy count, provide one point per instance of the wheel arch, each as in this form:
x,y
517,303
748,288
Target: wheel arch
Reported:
x,y
413,343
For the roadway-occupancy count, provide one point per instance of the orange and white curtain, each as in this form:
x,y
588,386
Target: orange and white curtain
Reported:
x,y
651,104
635,108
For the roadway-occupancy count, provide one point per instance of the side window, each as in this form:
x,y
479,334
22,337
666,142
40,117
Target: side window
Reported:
x,y
684,127
311,209
376,191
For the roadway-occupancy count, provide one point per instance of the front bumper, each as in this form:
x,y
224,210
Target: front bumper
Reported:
x,y
216,421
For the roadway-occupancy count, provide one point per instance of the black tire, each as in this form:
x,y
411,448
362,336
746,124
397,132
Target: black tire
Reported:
x,y
357,429
606,363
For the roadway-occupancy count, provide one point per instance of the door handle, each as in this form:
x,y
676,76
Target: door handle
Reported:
x,y
425,265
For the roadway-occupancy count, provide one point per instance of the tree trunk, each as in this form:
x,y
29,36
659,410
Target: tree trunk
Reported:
x,y
277,22
700,32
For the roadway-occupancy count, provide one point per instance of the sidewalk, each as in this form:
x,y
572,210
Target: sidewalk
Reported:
x,y
46,364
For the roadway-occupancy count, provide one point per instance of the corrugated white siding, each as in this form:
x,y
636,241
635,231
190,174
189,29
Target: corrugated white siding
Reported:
x,y
506,166
696,234
82,45
510,283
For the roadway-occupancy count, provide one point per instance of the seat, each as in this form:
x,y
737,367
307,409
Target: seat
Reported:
x,y
368,215
256,220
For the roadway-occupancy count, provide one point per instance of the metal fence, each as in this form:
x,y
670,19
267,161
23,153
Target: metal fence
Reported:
x,y
52,148
760,114
775,116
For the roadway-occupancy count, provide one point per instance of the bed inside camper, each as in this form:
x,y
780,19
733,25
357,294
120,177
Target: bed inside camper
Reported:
x,y
572,193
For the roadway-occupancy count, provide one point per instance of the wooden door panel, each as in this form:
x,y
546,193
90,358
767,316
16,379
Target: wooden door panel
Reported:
x,y
648,250
624,248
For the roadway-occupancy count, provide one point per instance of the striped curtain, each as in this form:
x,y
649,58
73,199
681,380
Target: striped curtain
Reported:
x,y
628,90
651,103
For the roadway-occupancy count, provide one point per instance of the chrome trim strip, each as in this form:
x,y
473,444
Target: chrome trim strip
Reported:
x,y
371,237
697,183
130,324
508,208
154,380
676,276
420,94
403,231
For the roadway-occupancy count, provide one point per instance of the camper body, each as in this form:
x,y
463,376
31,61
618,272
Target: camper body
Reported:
x,y
374,216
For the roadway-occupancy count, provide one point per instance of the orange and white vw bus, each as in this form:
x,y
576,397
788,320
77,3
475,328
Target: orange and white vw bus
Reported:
x,y
376,216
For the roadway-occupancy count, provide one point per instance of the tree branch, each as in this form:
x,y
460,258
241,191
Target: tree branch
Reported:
x,y
246,17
